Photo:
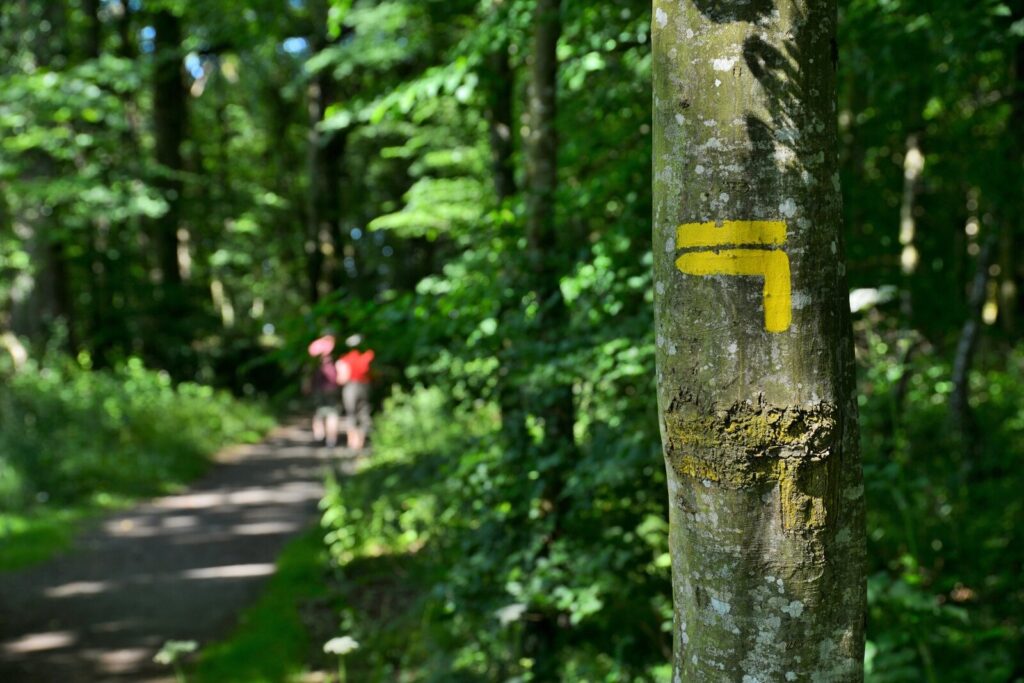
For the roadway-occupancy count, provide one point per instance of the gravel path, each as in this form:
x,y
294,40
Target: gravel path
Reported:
x,y
179,567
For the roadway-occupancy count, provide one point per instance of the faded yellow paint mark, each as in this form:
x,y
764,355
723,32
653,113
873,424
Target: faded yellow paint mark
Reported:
x,y
770,264
710,234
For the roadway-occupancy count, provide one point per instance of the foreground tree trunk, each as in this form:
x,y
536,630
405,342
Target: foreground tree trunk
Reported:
x,y
755,364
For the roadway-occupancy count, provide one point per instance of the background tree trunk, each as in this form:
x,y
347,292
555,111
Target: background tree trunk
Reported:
x,y
43,297
755,364
553,403
324,155
500,78
170,111
541,232
967,343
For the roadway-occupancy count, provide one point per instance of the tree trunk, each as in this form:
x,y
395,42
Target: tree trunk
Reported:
x,y
42,298
541,233
94,28
755,361
316,227
1009,262
324,154
170,109
554,402
500,81
959,398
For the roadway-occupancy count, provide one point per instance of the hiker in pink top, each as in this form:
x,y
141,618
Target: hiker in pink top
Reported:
x,y
325,391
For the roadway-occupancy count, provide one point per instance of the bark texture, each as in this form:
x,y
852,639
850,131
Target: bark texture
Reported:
x,y
755,362
170,112
554,402
324,161
967,344
541,232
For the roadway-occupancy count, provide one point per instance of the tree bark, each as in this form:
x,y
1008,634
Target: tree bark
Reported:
x,y
553,402
541,232
94,28
500,80
42,297
1009,262
501,84
755,374
323,206
959,398
170,111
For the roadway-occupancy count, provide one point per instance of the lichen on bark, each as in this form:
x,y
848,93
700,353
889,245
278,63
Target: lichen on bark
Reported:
x,y
750,443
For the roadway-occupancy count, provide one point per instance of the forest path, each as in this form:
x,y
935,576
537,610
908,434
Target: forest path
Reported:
x,y
179,567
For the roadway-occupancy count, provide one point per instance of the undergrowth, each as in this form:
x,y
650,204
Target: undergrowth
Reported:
x,y
75,441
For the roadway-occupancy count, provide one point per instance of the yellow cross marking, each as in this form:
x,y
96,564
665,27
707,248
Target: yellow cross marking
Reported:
x,y
771,264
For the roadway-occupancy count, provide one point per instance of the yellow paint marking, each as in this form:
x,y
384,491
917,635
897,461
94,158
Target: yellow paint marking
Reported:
x,y
771,264
760,233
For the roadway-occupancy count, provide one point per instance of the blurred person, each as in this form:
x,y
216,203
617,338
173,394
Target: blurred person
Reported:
x,y
353,373
324,388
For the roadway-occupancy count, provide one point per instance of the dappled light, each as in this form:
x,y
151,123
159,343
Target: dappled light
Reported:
x,y
177,567
36,642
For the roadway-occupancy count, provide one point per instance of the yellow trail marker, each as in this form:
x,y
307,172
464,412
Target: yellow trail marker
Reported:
x,y
709,234
771,264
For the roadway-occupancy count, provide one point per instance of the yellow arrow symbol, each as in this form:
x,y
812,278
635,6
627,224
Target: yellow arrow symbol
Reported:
x,y
771,264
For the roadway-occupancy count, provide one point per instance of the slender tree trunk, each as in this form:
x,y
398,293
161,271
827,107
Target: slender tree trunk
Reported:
x,y
94,28
553,403
501,83
43,296
755,375
170,125
500,80
959,398
541,232
324,153
1009,262
99,237
317,228
170,109
334,204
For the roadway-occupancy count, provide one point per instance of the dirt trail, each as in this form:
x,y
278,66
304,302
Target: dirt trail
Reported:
x,y
179,567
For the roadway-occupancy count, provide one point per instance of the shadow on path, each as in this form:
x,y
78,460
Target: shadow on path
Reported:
x,y
179,567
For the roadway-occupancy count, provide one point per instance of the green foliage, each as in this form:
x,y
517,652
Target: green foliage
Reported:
x,y
76,442
73,433
33,536
437,495
942,604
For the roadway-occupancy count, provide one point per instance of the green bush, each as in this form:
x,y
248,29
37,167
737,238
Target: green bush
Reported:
x,y
438,510
70,434
944,528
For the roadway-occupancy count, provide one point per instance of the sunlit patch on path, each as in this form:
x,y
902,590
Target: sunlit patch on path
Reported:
x,y
179,567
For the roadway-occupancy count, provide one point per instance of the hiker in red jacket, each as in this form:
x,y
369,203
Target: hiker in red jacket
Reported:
x,y
325,391
353,373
